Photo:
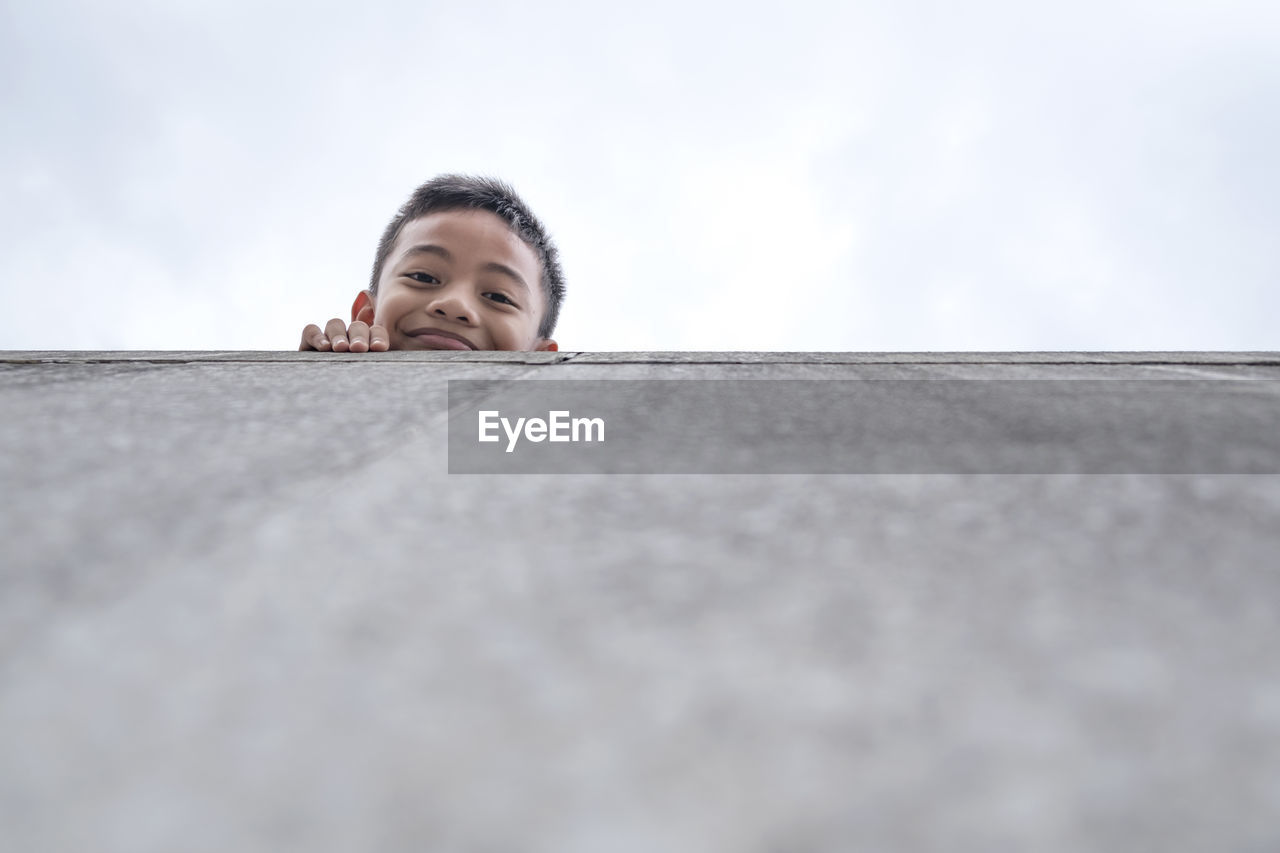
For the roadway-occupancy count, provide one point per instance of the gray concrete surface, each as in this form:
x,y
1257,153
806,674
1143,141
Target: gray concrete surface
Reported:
x,y
243,607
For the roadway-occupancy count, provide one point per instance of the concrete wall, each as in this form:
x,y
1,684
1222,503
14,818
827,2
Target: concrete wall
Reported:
x,y
244,607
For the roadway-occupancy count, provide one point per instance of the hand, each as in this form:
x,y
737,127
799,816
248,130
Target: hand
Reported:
x,y
337,337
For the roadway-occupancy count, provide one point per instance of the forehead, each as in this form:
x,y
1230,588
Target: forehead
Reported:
x,y
472,237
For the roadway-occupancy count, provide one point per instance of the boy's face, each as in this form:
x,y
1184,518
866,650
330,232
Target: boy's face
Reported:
x,y
459,279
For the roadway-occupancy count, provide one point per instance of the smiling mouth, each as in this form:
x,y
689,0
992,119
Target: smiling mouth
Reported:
x,y
440,339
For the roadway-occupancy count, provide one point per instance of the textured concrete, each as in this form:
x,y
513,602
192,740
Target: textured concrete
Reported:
x,y
243,607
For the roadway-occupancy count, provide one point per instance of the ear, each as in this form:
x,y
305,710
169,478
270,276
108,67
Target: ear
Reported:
x,y
547,345
362,309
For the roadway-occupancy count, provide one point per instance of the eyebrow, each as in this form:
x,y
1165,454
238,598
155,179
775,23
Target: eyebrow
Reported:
x,y
503,269
442,252
427,249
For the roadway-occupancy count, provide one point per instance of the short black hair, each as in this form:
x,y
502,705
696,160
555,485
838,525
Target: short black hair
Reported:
x,y
472,192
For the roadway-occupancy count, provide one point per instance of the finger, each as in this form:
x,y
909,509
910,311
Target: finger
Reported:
x,y
313,339
336,331
379,340
358,336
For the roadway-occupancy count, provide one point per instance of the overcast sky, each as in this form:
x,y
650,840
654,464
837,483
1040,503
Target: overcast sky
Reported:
x,y
884,175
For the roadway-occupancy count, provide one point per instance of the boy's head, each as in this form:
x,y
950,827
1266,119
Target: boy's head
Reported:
x,y
464,264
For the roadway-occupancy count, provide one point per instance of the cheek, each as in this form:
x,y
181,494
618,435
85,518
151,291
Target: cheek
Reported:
x,y
524,335
391,307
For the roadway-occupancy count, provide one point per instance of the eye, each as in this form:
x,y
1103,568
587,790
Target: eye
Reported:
x,y
422,277
502,298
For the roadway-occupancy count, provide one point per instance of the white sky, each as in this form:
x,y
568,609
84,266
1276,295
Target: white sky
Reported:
x,y
909,175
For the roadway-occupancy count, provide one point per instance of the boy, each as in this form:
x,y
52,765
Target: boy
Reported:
x,y
464,265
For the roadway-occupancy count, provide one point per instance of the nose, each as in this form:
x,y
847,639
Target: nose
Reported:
x,y
452,305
